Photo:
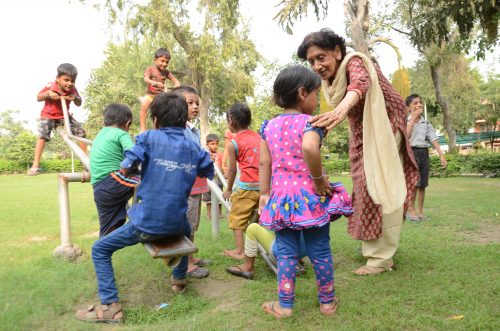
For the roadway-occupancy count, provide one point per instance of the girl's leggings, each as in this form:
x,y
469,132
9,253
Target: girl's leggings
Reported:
x,y
286,250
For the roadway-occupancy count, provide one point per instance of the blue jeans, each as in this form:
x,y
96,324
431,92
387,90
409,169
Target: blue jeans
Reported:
x,y
286,250
103,249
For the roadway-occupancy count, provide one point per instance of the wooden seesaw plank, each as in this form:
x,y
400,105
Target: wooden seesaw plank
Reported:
x,y
170,246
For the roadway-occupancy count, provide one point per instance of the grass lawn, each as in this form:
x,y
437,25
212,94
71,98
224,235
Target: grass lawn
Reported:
x,y
449,265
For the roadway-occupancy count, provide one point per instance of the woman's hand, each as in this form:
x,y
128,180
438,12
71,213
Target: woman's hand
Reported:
x,y
264,198
330,119
322,186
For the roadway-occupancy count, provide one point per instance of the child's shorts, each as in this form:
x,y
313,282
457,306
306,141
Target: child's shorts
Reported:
x,y
111,197
46,125
193,212
243,203
207,197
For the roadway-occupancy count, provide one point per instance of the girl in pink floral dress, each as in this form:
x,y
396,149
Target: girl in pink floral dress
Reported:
x,y
295,195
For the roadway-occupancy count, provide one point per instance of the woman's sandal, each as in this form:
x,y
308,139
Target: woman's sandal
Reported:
x,y
367,270
178,285
101,314
269,307
330,310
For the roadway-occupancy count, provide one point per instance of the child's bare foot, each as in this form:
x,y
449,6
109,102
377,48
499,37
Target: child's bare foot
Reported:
x,y
274,308
234,254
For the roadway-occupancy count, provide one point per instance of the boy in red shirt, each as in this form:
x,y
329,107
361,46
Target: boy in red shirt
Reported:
x,y
216,156
52,114
245,150
155,76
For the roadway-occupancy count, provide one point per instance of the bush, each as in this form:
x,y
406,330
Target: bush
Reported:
x,y
484,163
48,166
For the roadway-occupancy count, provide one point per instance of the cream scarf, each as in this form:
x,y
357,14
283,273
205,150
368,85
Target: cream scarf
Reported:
x,y
383,168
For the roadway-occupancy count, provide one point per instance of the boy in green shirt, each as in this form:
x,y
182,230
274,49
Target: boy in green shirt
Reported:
x,y
112,189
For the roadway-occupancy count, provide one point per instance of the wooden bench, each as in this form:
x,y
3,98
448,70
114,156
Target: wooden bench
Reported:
x,y
171,249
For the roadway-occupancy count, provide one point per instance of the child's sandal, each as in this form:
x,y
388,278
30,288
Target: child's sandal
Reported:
x,y
178,285
101,314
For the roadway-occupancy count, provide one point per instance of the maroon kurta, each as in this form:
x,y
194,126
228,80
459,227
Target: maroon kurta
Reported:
x,y
366,222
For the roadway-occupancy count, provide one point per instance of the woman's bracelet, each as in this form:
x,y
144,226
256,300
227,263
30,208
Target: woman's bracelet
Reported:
x,y
316,177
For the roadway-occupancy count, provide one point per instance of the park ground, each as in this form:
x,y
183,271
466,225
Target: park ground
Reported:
x,y
447,277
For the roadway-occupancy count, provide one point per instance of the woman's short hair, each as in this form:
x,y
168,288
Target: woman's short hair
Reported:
x,y
289,81
324,38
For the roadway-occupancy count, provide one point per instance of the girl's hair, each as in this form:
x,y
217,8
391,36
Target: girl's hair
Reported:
x,y
289,81
117,114
170,110
67,69
162,52
409,99
240,115
324,38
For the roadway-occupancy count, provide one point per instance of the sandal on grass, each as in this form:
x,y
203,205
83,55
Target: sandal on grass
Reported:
x,y
199,272
329,310
178,285
367,270
101,314
270,308
34,171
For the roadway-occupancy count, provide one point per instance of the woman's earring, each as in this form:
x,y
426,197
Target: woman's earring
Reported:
x,y
338,58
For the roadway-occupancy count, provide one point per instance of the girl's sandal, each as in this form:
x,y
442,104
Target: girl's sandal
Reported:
x,y
325,310
178,285
101,314
270,308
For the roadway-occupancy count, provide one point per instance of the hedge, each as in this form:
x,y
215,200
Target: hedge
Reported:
x,y
48,166
481,164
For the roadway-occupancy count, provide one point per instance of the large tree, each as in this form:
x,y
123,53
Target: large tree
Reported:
x,y
434,27
219,56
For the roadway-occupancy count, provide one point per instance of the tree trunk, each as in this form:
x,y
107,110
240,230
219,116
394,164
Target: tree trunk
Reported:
x,y
443,103
357,11
204,104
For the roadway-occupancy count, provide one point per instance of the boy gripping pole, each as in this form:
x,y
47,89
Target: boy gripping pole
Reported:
x,y
52,114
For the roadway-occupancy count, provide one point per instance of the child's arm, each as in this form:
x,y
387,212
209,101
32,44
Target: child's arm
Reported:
x,y
148,80
264,174
134,155
231,170
312,155
206,165
46,94
174,80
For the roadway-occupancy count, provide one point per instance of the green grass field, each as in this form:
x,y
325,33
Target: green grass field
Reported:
x,y
447,266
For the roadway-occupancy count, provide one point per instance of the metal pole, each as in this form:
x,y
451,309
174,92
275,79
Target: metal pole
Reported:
x,y
214,215
67,250
75,148
67,127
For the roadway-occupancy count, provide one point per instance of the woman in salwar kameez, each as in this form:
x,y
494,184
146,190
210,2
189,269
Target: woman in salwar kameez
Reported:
x,y
383,169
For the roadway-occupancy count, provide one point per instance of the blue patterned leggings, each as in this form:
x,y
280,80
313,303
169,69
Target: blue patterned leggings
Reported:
x,y
286,250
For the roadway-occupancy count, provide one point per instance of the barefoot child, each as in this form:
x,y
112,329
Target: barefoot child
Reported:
x,y
170,164
295,195
52,113
112,189
213,148
155,76
244,150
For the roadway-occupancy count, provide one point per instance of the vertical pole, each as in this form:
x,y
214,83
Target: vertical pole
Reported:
x,y
64,212
214,214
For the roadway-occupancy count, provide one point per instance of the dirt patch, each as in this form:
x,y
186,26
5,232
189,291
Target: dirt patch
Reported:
x,y
223,291
487,234
93,234
37,239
